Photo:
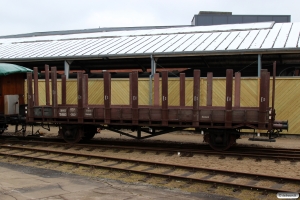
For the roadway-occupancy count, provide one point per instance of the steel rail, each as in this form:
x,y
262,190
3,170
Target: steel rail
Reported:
x,y
190,168
292,154
92,142
139,144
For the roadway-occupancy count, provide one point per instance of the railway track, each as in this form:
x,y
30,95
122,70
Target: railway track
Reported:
x,y
237,180
240,152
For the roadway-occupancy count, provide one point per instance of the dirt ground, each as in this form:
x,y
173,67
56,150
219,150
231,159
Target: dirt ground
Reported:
x,y
282,168
270,167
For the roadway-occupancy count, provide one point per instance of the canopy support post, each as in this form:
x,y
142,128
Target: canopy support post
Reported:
x,y
67,68
153,69
258,64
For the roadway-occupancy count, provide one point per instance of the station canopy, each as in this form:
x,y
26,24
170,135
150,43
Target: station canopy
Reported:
x,y
209,48
252,38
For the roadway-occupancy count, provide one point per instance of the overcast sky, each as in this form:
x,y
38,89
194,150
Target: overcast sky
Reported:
x,y
25,16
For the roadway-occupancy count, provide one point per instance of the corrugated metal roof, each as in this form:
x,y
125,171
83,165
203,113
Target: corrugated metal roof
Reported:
x,y
92,30
229,39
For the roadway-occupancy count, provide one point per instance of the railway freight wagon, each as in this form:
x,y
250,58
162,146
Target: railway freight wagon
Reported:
x,y
221,125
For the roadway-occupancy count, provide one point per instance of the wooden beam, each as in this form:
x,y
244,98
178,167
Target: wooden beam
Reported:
x,y
196,98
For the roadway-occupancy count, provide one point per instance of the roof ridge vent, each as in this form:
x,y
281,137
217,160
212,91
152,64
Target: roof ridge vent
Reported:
x,y
214,13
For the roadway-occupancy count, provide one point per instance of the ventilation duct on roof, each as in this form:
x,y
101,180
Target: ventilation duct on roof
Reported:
x,y
214,13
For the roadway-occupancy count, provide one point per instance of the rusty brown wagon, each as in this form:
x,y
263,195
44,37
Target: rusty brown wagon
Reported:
x,y
221,125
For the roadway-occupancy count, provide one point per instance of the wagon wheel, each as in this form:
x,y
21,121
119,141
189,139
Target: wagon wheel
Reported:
x,y
89,132
72,134
2,126
220,141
